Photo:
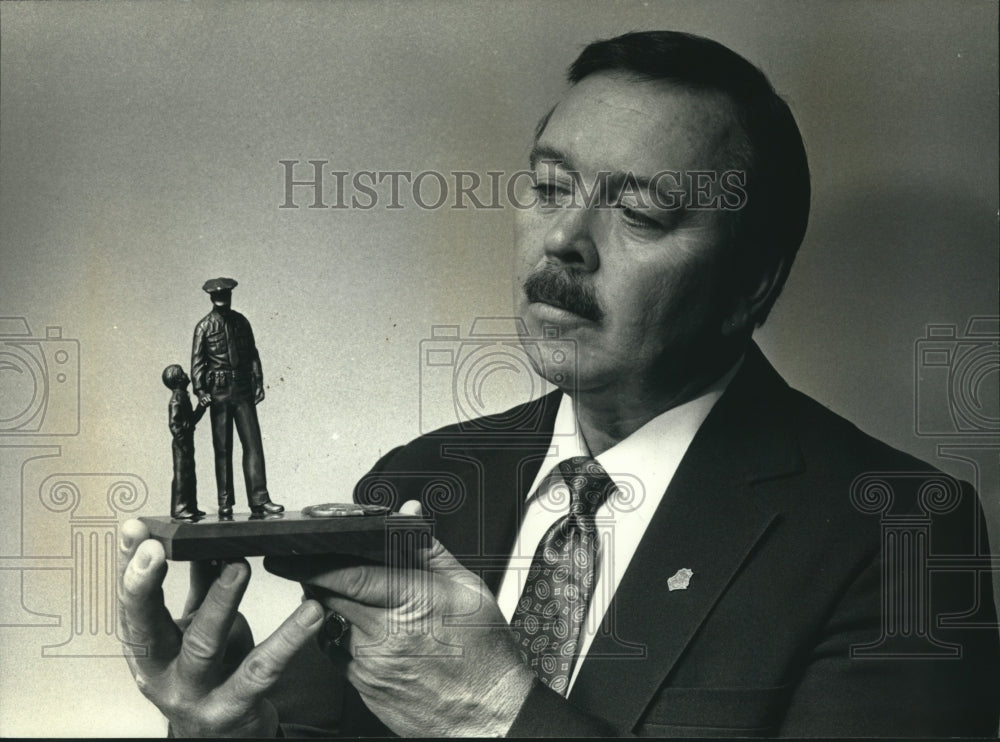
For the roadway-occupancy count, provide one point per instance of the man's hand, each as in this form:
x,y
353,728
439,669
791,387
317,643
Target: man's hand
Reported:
x,y
205,399
432,654
258,396
203,671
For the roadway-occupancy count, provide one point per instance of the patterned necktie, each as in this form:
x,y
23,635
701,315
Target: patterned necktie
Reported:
x,y
553,605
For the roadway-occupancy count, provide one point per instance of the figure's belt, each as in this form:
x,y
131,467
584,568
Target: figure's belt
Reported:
x,y
222,375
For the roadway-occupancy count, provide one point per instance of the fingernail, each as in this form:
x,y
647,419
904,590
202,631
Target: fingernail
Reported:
x,y
309,614
229,574
142,560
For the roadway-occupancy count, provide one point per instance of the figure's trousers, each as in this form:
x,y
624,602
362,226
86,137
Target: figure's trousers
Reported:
x,y
242,412
184,487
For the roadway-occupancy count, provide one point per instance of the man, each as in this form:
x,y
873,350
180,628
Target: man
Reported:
x,y
226,371
741,573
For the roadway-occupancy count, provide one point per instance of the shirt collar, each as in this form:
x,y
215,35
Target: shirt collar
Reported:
x,y
648,457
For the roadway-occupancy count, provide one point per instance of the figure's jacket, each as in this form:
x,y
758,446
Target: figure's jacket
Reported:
x,y
840,587
182,418
223,341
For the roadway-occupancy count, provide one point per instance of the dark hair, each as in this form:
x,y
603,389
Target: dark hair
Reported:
x,y
773,222
172,375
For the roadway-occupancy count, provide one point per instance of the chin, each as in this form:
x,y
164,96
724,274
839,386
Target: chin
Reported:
x,y
566,383
554,359
523,312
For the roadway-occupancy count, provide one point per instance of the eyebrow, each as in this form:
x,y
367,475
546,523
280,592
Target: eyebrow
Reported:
x,y
615,179
544,153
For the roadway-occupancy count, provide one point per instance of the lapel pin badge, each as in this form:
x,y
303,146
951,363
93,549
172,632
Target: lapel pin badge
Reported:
x,y
681,580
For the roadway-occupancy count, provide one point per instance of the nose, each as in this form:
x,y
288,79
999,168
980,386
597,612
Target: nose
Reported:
x,y
570,237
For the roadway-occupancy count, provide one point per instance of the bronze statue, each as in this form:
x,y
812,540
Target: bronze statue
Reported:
x,y
227,377
182,419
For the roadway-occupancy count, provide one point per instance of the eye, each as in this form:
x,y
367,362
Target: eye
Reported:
x,y
638,220
551,193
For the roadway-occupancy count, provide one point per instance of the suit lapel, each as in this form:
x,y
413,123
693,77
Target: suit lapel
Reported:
x,y
497,469
708,522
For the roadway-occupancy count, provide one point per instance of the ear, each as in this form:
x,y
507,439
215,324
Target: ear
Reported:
x,y
749,305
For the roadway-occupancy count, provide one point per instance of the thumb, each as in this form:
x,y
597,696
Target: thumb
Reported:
x,y
434,557
412,507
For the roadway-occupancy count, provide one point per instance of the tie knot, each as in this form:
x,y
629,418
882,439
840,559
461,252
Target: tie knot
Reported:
x,y
589,484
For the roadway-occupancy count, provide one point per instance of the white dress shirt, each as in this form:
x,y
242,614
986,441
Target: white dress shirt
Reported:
x,y
641,466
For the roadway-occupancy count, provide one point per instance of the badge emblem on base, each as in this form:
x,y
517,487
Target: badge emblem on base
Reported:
x,y
343,510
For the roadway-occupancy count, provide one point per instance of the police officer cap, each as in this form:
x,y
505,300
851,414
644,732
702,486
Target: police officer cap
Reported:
x,y
219,284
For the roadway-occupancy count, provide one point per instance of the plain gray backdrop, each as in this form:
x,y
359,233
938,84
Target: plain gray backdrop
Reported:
x,y
139,155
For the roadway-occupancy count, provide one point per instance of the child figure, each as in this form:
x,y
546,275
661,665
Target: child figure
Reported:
x,y
182,419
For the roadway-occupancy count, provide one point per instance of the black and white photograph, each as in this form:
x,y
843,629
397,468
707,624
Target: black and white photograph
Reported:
x,y
505,368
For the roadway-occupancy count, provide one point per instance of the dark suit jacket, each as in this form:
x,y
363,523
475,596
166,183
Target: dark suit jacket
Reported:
x,y
791,572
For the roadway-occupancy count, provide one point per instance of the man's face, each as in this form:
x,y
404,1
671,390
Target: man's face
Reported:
x,y
636,281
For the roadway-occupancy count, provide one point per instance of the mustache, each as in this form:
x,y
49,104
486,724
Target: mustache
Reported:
x,y
559,288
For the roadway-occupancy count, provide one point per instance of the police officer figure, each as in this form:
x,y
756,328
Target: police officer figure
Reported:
x,y
226,373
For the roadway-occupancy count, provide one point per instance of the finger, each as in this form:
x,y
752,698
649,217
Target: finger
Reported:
x,y
436,558
203,574
146,623
262,668
330,605
204,642
365,583
366,625
326,633
353,611
303,568
371,584
133,533
435,561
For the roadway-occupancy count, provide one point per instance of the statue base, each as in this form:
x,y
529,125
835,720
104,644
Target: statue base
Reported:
x,y
283,534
